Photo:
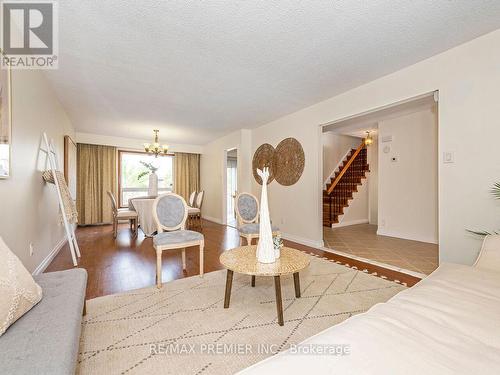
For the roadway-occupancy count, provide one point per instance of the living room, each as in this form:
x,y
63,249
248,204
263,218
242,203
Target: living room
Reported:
x,y
162,188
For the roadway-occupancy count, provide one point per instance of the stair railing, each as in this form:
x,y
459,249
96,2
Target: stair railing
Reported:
x,y
338,200
346,168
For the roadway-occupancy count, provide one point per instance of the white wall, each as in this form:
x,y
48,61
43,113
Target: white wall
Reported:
x,y
335,147
407,190
468,78
28,207
213,173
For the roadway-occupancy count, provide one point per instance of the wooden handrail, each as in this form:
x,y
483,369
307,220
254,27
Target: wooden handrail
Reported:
x,y
353,157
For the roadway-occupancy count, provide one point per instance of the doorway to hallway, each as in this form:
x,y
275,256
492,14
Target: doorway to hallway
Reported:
x,y
231,186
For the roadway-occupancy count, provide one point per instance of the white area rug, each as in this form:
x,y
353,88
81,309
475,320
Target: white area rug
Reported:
x,y
184,329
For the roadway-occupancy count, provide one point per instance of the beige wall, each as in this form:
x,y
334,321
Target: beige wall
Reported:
x,y
28,207
213,174
467,78
407,190
296,209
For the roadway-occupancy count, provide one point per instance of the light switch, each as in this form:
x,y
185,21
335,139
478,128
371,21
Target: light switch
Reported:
x,y
448,157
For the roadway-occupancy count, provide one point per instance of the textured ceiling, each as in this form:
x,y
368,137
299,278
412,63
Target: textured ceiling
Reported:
x,y
198,70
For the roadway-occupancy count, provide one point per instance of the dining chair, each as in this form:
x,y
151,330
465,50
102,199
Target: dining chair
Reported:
x,y
195,212
170,213
122,214
247,213
192,198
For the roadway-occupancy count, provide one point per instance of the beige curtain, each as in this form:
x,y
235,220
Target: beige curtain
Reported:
x,y
96,175
186,174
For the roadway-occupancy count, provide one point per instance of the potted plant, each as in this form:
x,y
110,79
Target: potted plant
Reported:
x,y
495,191
153,178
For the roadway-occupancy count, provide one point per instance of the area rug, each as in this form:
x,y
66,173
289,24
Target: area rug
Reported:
x,y
184,329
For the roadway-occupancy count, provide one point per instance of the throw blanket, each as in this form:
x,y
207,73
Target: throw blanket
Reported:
x,y
68,203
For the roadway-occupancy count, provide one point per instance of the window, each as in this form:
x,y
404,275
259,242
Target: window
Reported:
x,y
130,168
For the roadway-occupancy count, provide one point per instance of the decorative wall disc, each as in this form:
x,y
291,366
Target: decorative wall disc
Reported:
x,y
263,157
288,162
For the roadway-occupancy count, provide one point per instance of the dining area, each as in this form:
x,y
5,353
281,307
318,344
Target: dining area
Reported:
x,y
139,213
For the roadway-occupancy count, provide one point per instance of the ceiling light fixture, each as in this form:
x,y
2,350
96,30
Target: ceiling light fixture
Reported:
x,y
368,139
155,148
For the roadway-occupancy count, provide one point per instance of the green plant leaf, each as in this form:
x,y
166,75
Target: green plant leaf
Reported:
x,y
483,232
142,174
496,190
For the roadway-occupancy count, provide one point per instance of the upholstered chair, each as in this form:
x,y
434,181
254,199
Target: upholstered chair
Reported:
x,y
170,213
195,212
247,213
122,214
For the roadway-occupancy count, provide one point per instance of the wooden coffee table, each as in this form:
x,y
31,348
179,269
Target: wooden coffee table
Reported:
x,y
243,260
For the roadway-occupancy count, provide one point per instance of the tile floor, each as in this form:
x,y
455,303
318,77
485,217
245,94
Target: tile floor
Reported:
x,y
362,241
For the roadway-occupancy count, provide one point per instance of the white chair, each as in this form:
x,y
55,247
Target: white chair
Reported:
x,y
192,198
195,212
247,213
170,213
122,214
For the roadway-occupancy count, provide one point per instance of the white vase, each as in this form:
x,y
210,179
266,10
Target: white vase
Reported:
x,y
265,248
153,184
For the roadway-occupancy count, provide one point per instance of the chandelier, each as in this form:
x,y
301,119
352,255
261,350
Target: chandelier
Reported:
x,y
155,148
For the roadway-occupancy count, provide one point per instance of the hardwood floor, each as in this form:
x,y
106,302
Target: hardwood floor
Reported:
x,y
129,263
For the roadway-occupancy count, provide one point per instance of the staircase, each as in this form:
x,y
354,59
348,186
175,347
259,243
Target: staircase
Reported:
x,y
339,191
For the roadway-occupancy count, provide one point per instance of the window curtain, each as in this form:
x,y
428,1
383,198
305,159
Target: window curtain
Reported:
x,y
186,174
96,175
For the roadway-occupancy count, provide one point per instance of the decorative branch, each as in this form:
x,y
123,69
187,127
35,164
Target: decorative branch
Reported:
x,y
150,169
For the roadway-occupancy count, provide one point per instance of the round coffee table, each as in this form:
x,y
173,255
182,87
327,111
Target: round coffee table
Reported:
x,y
243,260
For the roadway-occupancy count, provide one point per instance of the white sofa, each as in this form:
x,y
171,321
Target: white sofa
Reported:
x,y
449,323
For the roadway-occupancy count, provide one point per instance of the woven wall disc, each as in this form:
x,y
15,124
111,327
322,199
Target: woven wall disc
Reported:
x,y
289,161
263,157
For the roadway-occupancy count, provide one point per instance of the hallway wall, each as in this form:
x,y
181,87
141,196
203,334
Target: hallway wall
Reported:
x,y
408,184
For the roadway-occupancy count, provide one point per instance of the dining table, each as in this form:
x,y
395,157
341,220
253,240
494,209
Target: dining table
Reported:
x,y
144,208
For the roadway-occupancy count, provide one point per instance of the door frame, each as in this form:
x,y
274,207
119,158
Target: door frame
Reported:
x,y
224,183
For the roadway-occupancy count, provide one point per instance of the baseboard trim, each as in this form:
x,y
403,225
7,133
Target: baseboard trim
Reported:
x,y
349,223
302,241
48,259
212,219
382,232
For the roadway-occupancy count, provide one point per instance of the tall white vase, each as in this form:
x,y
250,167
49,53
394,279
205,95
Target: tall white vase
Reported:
x,y
265,248
153,184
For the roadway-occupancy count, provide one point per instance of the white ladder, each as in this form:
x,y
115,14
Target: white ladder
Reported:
x,y
69,229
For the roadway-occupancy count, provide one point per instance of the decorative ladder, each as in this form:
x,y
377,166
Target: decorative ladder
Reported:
x,y
53,163
339,191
